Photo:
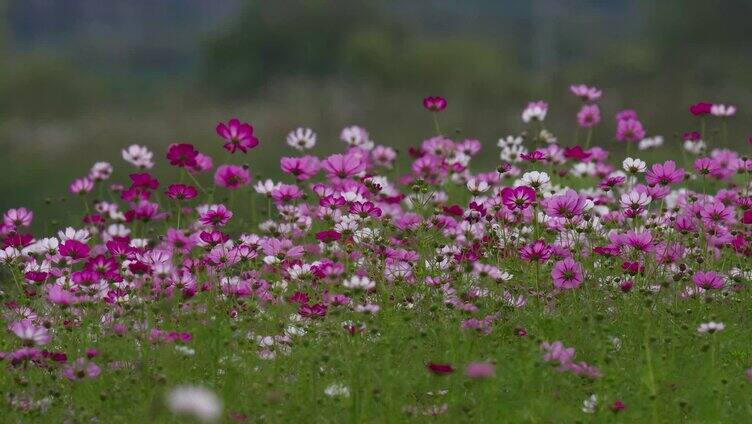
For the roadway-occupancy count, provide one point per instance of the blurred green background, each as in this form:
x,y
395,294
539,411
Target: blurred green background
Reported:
x,y
80,79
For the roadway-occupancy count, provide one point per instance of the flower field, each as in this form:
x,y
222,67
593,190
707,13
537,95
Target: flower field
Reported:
x,y
568,284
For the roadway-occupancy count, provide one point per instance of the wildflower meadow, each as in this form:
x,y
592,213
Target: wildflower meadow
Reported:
x,y
578,280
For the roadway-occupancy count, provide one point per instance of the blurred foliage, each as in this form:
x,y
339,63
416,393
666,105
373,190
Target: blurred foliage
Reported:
x,y
350,40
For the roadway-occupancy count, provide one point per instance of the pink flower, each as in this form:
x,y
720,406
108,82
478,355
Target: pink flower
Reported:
x,y
303,168
286,192
181,192
587,94
626,115
538,251
20,217
478,370
708,280
589,116
231,176
343,166
556,352
80,369
518,198
664,174
629,130
618,406
81,186
435,104
706,166
215,215
567,274
30,333
567,205
238,136
182,155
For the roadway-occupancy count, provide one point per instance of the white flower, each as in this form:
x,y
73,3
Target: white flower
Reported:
x,y
185,350
589,404
548,137
722,110
650,143
266,186
635,200
359,283
9,254
477,186
71,233
694,147
100,171
509,141
535,111
535,179
301,139
512,153
194,401
356,136
634,166
139,156
337,390
710,327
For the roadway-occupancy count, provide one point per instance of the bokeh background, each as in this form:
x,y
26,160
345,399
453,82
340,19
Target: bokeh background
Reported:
x,y
80,79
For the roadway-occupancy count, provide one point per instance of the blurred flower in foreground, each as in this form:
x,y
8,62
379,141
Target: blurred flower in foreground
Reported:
x,y
194,401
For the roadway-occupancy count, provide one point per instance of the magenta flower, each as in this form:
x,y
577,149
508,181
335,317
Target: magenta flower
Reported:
x,y
231,176
538,251
182,155
518,197
81,369
708,280
238,136
216,216
30,334
303,168
629,130
576,153
589,116
439,369
343,166
365,209
700,108
567,274
664,174
435,104
567,205
74,249
181,192
478,370
328,236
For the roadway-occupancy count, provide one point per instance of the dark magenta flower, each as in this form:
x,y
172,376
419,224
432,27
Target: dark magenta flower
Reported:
x,y
439,369
182,155
181,192
700,108
238,135
435,104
